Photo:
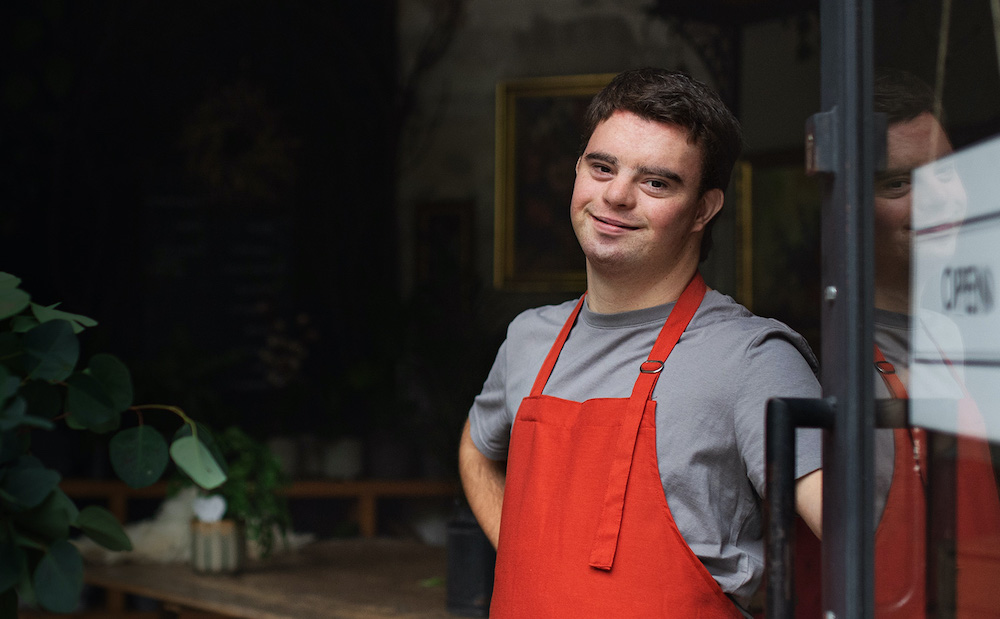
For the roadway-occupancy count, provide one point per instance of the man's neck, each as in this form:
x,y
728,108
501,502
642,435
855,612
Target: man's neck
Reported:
x,y
892,298
615,293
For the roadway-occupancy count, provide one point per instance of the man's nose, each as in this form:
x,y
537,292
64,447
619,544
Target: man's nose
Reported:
x,y
619,192
942,190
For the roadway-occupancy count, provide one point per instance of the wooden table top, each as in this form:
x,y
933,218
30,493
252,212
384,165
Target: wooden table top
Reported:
x,y
354,578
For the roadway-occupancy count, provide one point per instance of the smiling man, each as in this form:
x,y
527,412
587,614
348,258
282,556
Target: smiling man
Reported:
x,y
615,455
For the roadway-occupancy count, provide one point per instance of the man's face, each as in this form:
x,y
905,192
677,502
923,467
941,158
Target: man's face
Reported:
x,y
910,144
636,208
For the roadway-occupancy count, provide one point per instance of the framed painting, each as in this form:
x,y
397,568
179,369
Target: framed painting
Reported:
x,y
539,133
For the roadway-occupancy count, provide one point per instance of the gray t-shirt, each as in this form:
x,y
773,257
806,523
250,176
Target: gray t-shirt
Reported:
x,y
711,398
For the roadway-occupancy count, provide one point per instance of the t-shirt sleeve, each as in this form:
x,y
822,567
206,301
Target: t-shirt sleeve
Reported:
x,y
489,420
779,365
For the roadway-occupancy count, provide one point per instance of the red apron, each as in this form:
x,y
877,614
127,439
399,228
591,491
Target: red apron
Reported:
x,y
901,536
585,529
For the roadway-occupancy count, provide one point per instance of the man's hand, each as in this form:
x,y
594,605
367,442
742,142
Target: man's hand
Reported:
x,y
483,480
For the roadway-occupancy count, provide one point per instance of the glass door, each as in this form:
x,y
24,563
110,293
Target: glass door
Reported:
x,y
907,149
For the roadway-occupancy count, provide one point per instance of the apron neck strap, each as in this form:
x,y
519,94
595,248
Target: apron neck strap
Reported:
x,y
602,553
680,316
888,373
553,356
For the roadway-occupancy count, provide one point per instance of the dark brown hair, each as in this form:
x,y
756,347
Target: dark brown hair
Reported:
x,y
674,98
901,95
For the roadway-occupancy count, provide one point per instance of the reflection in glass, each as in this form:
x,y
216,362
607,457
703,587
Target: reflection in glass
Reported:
x,y
937,332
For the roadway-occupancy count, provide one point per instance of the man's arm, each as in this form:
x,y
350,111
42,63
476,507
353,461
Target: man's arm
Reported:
x,y
809,500
483,480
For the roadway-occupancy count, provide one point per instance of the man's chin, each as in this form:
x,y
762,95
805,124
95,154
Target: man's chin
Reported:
x,y
608,263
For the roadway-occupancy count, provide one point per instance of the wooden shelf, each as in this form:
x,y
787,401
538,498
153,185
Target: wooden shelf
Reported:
x,y
365,492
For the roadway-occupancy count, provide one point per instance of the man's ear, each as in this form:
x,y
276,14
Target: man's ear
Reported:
x,y
709,206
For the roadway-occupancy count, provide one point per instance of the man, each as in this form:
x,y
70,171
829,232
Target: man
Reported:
x,y
615,456
916,138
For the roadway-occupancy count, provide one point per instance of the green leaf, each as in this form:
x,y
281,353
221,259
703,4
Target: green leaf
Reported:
x,y
8,281
208,440
24,541
88,403
13,301
11,351
30,421
12,566
192,457
51,351
59,578
51,519
114,377
25,588
73,424
111,425
45,314
13,414
101,526
139,455
28,482
23,324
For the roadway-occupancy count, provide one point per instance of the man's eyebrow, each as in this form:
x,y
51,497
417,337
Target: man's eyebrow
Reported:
x,y
884,174
642,170
661,172
603,157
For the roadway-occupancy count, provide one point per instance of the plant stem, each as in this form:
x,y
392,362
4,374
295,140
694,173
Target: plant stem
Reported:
x,y
172,409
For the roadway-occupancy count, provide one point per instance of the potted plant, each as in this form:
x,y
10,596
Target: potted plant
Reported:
x,y
43,383
248,503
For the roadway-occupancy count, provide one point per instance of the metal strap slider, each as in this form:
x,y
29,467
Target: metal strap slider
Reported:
x,y
645,368
884,367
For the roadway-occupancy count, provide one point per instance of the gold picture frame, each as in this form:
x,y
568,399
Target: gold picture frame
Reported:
x,y
539,128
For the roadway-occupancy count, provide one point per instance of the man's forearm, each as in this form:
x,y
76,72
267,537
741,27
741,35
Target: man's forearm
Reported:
x,y
483,481
809,500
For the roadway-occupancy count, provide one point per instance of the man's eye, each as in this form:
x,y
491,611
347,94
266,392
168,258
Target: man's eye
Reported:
x,y
893,187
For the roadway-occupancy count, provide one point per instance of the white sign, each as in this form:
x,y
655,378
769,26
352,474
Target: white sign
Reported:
x,y
955,339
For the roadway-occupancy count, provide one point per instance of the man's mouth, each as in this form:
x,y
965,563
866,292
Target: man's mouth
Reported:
x,y
615,223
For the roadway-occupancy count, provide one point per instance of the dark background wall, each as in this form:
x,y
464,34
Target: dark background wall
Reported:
x,y
214,183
